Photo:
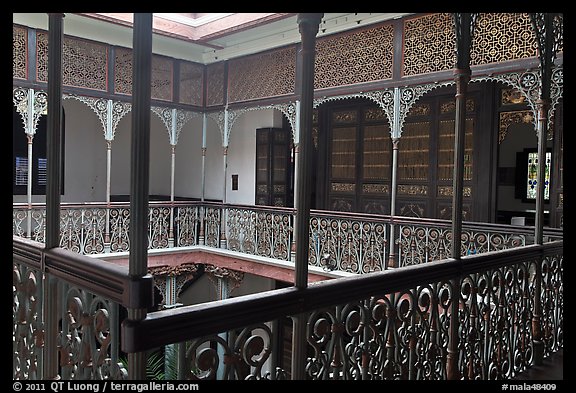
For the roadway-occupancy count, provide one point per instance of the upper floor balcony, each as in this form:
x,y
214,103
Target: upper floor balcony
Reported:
x,y
356,296
377,307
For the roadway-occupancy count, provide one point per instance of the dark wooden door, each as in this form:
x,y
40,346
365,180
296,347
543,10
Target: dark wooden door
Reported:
x,y
274,167
358,159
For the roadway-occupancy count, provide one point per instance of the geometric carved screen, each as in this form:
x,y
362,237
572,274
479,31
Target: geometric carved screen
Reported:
x,y
263,75
429,44
500,37
162,77
357,57
215,84
123,71
19,52
191,83
84,63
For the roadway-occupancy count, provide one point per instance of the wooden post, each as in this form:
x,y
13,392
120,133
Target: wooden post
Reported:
x,y
53,187
140,169
308,24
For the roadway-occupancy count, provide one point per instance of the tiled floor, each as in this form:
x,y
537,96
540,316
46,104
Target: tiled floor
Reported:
x,y
552,368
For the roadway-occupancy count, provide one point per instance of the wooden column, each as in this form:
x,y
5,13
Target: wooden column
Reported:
x,y
139,170
464,26
308,24
53,187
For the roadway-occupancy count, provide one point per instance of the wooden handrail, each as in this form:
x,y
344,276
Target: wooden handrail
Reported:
x,y
189,322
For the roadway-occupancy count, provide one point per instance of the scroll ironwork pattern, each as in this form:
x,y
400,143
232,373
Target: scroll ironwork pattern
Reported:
x,y
119,229
187,224
158,227
495,314
354,246
82,230
421,244
259,232
552,300
398,336
238,355
88,340
27,327
212,226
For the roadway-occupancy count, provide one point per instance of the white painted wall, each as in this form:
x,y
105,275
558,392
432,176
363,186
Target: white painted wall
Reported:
x,y
188,169
253,284
85,160
214,161
204,290
160,158
201,291
120,173
242,153
84,156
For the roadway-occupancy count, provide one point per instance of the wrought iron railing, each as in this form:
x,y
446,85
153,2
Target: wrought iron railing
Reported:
x,y
486,316
351,242
66,313
476,318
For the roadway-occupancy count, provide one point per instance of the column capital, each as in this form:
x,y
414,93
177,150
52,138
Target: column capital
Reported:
x,y
308,18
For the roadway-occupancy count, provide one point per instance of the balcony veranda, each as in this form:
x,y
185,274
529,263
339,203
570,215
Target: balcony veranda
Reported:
x,y
418,314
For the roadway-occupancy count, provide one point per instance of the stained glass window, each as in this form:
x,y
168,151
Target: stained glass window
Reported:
x,y
531,181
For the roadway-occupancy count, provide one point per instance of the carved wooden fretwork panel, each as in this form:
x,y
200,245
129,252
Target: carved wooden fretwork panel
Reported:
x,y
162,77
84,63
191,83
429,44
500,37
512,97
341,204
263,75
215,84
358,57
19,52
412,209
123,71
445,212
509,118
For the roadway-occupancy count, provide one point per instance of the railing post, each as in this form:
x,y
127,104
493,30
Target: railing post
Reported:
x,y
202,218
172,169
393,256
30,138
537,336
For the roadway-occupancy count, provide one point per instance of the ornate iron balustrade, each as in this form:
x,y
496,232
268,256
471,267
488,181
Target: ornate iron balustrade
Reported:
x,y
72,301
425,240
394,324
351,242
259,231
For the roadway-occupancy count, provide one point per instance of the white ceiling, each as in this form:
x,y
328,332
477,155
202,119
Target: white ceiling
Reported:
x,y
215,38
